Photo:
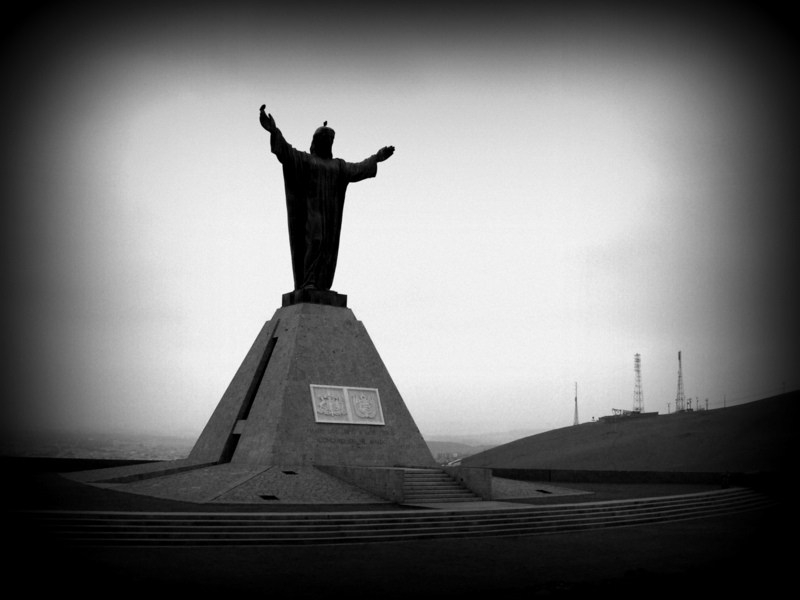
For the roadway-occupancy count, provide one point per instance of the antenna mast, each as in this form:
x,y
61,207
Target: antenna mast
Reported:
x,y
576,422
638,399
680,399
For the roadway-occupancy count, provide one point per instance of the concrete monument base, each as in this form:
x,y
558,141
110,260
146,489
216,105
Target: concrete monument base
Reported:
x,y
312,391
311,397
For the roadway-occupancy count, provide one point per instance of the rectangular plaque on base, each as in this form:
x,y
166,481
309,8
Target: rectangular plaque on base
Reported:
x,y
346,405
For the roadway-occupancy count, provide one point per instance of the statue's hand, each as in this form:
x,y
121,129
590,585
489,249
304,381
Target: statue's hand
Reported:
x,y
267,122
384,153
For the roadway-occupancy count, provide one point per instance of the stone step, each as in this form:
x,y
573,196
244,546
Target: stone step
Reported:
x,y
616,506
426,484
617,509
348,536
441,498
209,529
715,496
433,486
436,491
613,509
433,489
431,482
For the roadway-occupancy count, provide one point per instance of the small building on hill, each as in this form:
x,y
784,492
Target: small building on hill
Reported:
x,y
619,414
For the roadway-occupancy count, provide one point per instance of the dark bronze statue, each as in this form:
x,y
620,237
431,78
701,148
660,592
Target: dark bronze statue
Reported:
x,y
315,184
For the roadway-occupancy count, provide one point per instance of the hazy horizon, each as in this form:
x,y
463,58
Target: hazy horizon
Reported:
x,y
128,445
191,435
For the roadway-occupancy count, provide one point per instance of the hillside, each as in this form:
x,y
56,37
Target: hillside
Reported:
x,y
747,438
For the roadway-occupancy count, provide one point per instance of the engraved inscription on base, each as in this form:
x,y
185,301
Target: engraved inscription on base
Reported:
x,y
351,405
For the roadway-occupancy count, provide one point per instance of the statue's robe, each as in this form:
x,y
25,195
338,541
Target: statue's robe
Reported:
x,y
315,190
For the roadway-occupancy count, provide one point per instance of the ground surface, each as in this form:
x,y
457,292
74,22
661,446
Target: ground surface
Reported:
x,y
736,553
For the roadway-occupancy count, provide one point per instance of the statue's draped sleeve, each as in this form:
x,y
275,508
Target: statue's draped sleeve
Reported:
x,y
292,161
287,155
362,170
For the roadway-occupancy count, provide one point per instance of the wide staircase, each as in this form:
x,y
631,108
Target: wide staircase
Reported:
x,y
163,529
430,486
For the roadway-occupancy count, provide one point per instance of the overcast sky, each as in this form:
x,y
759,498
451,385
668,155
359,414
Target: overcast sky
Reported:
x,y
571,186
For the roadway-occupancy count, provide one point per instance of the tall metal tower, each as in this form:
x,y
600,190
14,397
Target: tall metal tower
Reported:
x,y
638,399
576,422
680,399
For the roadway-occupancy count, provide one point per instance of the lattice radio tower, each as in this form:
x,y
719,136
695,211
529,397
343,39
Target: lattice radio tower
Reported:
x,y
680,399
576,422
638,399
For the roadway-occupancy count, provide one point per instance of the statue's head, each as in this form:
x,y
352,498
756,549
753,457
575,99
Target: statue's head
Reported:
x,y
322,142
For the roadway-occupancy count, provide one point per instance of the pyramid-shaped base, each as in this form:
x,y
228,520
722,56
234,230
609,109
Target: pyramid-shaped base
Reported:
x,y
313,390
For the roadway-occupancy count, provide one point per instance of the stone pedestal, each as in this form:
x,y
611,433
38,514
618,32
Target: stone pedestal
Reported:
x,y
327,297
312,390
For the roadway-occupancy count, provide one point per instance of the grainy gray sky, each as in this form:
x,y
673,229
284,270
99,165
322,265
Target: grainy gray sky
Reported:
x,y
572,185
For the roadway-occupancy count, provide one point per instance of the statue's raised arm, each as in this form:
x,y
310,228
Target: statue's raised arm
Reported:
x,y
384,153
315,185
267,122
